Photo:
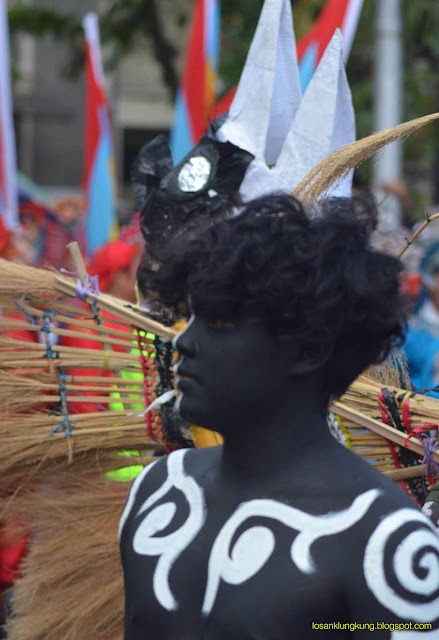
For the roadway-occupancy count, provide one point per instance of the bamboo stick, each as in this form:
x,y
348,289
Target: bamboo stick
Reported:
x,y
8,343
110,417
73,247
407,472
78,261
100,379
74,308
135,388
382,429
114,384
38,436
119,309
66,363
37,399
7,323
92,337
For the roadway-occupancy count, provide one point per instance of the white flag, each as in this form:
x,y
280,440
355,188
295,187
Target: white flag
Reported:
x,y
8,165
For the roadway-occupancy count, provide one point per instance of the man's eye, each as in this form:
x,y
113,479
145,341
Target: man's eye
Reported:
x,y
220,324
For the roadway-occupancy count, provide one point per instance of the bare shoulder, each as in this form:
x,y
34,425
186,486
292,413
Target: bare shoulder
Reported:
x,y
396,550
173,470
145,477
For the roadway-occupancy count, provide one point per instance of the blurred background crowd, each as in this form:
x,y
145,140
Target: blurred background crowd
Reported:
x,y
81,92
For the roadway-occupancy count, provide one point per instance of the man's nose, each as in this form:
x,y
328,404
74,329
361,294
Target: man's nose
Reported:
x,y
185,342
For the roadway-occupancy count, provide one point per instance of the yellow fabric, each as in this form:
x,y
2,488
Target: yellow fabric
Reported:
x,y
204,438
179,326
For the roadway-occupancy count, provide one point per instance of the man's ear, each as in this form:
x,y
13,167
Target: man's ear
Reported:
x,y
310,359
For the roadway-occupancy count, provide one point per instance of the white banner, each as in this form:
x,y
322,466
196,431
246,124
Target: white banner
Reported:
x,y
350,24
8,165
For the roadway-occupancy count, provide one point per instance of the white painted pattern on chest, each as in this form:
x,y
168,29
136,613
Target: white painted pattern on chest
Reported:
x,y
251,550
169,548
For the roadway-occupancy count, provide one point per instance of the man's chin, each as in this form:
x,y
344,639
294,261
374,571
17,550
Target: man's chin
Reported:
x,y
192,413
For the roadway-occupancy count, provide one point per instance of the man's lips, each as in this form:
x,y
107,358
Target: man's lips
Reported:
x,y
182,372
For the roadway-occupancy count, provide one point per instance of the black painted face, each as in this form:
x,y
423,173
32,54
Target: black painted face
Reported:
x,y
229,373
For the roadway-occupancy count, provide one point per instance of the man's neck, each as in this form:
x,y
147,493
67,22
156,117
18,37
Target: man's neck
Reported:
x,y
290,435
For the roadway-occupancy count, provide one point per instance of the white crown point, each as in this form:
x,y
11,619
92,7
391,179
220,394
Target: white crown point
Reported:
x,y
288,135
324,121
268,93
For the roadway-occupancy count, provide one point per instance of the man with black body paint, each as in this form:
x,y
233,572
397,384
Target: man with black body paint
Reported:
x,y
281,527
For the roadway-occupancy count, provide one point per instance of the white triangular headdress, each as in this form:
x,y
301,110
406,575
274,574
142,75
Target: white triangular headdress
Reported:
x,y
271,138
288,134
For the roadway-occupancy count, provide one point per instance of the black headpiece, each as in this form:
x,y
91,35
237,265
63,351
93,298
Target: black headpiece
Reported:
x,y
204,185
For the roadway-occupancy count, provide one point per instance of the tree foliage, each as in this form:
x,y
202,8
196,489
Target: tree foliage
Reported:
x,y
120,25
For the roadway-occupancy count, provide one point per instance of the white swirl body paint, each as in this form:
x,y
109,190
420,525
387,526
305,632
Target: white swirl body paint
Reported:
x,y
255,546
132,495
419,548
169,548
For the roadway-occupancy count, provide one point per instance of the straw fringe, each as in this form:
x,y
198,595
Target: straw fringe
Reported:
x,y
17,280
39,397
72,587
317,182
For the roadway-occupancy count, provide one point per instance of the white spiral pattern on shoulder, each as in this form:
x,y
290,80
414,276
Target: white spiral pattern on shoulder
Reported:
x,y
168,548
414,566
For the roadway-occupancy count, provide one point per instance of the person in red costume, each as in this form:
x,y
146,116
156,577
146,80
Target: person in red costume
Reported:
x,y
116,265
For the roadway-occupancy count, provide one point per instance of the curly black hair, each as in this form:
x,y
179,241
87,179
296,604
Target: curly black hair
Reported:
x,y
313,278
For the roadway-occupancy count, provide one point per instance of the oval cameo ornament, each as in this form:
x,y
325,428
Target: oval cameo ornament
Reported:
x,y
195,174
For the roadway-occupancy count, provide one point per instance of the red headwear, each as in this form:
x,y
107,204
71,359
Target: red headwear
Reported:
x,y
110,259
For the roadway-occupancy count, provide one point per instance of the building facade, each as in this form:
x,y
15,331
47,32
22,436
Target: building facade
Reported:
x,y
49,106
